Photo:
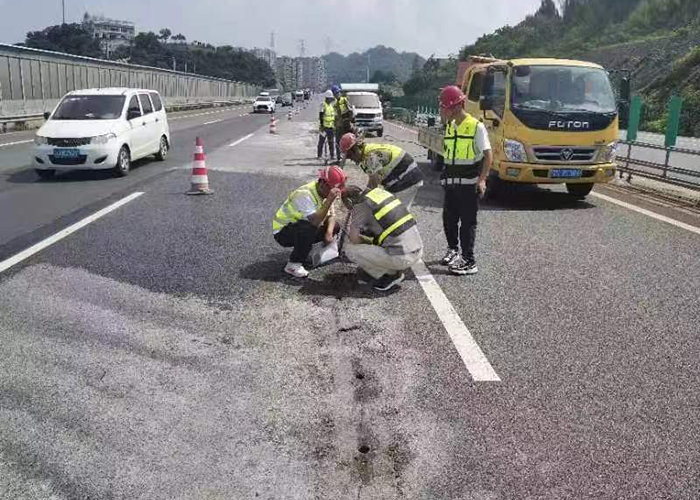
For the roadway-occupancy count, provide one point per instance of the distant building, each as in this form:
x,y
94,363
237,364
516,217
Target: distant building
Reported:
x,y
314,73
267,55
111,33
295,73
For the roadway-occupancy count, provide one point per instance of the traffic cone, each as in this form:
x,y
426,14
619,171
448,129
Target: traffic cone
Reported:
x,y
200,180
273,125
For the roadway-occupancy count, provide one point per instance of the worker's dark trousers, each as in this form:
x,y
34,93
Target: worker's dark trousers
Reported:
x,y
330,133
300,235
461,206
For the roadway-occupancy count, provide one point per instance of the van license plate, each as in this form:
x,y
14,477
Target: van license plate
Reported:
x,y
565,173
66,153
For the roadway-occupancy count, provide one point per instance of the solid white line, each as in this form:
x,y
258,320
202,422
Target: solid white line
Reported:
x,y
25,254
236,143
214,121
649,213
15,143
470,352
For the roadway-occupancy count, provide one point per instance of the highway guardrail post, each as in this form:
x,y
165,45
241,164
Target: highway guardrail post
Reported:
x,y
674,120
634,118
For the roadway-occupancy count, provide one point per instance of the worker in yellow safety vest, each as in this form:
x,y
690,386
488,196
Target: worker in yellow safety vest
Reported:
x,y
326,117
344,116
383,237
468,159
386,165
306,218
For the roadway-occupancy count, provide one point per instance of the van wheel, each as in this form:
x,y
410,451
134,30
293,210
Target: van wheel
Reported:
x,y
380,133
45,174
121,169
579,191
162,153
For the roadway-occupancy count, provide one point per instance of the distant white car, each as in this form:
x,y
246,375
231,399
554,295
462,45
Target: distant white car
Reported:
x,y
264,103
102,129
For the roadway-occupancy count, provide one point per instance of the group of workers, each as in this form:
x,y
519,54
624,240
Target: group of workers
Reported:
x,y
335,120
383,238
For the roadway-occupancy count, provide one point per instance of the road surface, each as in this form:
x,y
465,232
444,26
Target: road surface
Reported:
x,y
157,352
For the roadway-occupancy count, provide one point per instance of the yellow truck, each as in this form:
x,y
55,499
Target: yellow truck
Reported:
x,y
550,121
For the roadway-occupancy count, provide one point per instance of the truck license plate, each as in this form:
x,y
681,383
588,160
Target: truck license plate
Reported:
x,y
565,173
66,153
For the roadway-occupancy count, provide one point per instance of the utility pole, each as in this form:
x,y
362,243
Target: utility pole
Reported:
x,y
368,61
302,47
63,5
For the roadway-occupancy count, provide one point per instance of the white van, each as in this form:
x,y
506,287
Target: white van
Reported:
x,y
102,129
367,109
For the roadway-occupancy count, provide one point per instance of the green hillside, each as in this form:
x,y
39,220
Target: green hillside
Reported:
x,y
353,67
657,40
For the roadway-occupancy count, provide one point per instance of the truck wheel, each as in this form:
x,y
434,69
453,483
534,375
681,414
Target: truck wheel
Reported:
x,y
436,162
494,187
380,132
579,191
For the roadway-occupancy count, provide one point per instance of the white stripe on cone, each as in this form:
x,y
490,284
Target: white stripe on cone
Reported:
x,y
200,179
199,164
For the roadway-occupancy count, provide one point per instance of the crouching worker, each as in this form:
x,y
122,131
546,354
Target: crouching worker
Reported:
x,y
303,219
383,238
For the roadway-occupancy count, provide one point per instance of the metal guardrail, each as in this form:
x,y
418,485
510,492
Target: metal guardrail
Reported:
x,y
685,176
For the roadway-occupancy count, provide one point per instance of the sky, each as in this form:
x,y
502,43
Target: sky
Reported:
x,y
439,27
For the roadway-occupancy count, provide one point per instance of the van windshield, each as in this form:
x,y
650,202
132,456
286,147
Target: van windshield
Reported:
x,y
364,101
562,89
90,107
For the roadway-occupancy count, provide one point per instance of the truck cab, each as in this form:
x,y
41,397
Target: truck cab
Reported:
x,y
550,121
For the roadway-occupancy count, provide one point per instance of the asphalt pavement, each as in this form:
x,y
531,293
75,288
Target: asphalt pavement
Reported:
x,y
160,353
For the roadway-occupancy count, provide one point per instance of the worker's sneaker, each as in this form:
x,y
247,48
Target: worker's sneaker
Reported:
x,y
450,257
296,269
463,267
363,276
388,281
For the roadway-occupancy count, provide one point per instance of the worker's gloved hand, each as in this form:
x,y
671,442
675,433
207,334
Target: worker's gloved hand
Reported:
x,y
334,194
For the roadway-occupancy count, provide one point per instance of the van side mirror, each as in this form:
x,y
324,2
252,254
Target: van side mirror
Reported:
x,y
47,115
625,89
132,114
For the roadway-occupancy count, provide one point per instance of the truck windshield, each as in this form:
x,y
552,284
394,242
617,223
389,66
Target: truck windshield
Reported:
x,y
562,89
364,101
90,107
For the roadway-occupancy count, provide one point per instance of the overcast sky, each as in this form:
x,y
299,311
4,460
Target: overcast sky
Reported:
x,y
441,27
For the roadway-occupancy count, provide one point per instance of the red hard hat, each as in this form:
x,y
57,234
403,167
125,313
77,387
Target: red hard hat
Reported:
x,y
347,142
451,96
334,176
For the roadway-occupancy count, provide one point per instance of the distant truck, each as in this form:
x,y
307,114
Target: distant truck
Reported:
x,y
299,96
366,106
550,121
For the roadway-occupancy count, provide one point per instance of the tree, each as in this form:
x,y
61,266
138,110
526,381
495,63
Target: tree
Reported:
x,y
68,38
165,34
180,38
380,76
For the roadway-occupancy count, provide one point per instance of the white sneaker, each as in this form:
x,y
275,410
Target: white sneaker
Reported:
x,y
297,270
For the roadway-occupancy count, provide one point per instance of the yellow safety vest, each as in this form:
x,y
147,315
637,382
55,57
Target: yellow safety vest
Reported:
x,y
390,213
328,115
288,214
460,157
343,105
396,154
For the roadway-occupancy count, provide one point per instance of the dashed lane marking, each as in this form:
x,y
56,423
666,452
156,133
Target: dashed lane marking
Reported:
x,y
236,143
213,121
648,213
25,254
470,352
15,143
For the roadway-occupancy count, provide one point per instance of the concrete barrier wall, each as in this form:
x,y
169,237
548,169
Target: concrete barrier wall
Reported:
x,y
33,81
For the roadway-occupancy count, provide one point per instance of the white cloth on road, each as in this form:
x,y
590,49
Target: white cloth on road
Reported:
x,y
407,196
377,262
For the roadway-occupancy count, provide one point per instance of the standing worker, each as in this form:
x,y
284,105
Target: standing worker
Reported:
x,y
344,116
383,238
326,117
387,165
468,159
303,219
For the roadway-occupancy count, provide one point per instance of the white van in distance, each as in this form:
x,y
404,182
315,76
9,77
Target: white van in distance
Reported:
x,y
102,129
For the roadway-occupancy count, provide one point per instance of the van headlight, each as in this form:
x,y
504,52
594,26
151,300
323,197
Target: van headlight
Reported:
x,y
40,140
103,139
609,153
515,151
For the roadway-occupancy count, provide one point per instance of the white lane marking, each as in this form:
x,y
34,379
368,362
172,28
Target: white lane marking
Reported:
x,y
25,254
649,213
402,128
15,143
470,352
213,121
236,143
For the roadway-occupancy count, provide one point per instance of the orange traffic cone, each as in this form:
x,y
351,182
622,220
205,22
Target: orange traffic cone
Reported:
x,y
273,125
200,179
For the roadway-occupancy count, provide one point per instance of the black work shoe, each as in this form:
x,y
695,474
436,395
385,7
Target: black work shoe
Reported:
x,y
462,267
388,281
450,257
